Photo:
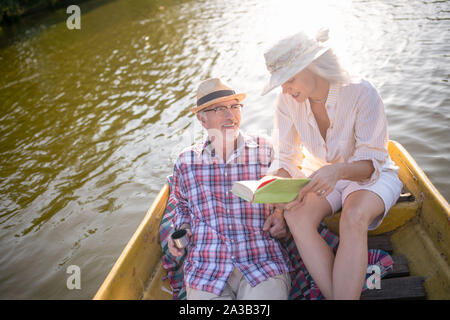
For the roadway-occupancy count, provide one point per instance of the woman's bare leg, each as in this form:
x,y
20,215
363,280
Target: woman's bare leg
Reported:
x,y
317,256
350,264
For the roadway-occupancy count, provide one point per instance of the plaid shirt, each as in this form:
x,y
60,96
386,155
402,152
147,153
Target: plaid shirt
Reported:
x,y
227,231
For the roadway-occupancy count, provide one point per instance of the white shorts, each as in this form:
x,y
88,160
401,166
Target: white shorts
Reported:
x,y
388,187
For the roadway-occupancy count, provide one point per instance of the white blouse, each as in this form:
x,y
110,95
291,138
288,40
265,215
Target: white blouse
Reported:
x,y
357,131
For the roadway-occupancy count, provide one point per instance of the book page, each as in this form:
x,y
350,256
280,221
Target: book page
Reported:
x,y
252,185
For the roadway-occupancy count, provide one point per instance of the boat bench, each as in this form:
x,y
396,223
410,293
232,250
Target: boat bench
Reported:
x,y
397,284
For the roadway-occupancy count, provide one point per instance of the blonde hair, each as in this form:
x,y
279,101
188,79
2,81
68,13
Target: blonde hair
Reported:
x,y
330,68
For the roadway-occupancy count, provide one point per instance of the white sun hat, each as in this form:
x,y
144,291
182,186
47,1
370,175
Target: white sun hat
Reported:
x,y
291,55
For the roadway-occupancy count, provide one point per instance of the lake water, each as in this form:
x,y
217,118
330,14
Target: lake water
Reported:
x,y
91,119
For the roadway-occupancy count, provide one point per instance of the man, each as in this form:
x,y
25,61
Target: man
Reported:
x,y
232,253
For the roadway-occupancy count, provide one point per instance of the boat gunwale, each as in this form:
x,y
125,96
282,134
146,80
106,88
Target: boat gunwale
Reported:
x,y
110,288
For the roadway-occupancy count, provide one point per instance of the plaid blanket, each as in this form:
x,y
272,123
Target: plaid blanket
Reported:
x,y
303,286
173,265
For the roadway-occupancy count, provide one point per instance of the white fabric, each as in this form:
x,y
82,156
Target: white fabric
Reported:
x,y
291,55
358,131
387,187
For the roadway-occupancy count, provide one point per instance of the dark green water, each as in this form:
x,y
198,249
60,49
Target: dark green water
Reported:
x,y
91,119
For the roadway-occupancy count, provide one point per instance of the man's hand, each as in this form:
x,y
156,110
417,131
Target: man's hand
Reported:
x,y
175,251
276,224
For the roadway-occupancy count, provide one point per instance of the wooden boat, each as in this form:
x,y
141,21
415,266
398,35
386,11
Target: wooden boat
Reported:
x,y
416,232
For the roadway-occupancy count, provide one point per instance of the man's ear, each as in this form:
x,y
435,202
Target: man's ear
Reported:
x,y
202,118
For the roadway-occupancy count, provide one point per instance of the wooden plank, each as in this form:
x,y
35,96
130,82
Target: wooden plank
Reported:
x,y
406,197
130,273
158,289
401,268
403,288
380,242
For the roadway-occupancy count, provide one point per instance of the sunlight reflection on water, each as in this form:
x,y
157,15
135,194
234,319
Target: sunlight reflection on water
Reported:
x,y
91,120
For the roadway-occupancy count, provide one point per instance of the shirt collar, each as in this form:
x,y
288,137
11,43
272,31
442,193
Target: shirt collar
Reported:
x,y
333,92
332,95
242,141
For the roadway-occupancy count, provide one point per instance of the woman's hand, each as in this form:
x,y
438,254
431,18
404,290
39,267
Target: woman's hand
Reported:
x,y
322,183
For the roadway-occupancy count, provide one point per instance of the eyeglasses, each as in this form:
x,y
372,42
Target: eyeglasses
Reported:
x,y
221,110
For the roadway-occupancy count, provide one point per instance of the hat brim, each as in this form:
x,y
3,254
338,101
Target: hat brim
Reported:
x,y
284,74
239,97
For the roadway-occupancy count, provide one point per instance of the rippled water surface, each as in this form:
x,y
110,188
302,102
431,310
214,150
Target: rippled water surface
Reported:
x,y
91,119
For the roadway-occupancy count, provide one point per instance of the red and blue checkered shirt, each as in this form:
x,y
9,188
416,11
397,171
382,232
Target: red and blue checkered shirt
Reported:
x,y
226,230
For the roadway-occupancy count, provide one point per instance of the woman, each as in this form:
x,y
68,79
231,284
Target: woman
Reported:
x,y
333,129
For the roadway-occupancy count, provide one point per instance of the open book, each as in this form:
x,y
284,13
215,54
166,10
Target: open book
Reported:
x,y
269,189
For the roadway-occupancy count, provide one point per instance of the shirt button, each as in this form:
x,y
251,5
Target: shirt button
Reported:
x,y
230,227
233,257
225,174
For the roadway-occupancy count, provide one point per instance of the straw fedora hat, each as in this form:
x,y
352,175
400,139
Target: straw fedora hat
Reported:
x,y
291,55
212,91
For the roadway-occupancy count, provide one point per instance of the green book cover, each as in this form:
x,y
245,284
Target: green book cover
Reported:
x,y
269,189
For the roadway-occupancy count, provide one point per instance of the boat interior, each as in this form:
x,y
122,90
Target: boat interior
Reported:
x,y
416,233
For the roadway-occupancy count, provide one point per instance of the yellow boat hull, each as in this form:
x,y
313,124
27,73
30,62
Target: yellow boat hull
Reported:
x,y
419,230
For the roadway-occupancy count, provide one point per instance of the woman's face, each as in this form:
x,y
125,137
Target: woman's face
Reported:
x,y
300,86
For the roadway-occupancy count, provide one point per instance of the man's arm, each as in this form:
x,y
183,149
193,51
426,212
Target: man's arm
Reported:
x,y
181,219
182,211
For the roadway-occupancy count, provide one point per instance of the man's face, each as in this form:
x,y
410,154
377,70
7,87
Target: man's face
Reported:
x,y
223,124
